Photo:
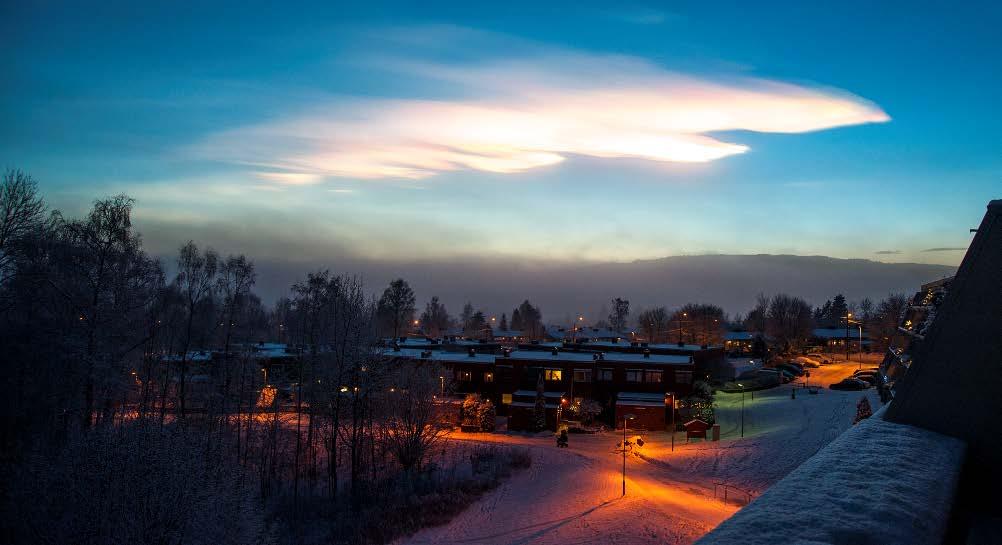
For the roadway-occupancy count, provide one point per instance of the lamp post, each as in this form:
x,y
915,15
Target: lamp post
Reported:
x,y
742,409
672,421
265,371
625,418
441,380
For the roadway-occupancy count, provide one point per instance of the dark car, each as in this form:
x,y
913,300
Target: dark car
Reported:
x,y
869,379
849,384
792,369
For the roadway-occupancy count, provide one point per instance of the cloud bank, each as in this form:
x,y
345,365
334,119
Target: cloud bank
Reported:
x,y
509,116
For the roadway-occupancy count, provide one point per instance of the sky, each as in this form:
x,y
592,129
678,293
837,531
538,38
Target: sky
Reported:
x,y
371,132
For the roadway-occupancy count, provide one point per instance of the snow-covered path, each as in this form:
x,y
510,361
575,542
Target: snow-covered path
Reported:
x,y
574,495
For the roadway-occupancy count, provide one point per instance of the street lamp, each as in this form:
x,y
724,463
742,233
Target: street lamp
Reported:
x,y
672,421
441,380
265,371
625,418
742,409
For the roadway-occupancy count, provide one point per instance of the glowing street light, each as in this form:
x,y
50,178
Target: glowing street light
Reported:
x,y
625,442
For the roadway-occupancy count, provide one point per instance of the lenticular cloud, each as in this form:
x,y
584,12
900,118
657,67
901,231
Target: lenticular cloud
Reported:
x,y
523,115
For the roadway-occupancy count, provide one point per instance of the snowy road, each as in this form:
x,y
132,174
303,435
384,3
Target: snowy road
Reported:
x,y
574,495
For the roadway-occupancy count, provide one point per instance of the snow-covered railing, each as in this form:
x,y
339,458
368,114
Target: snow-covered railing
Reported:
x,y
879,482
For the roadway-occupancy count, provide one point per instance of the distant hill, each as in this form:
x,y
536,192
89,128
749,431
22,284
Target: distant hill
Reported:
x,y
561,290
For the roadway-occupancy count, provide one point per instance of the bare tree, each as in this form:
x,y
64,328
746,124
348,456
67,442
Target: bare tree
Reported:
x,y
396,306
21,211
414,424
196,277
789,321
619,315
653,323
435,318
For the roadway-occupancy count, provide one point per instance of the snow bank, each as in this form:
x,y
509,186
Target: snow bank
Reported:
x,y
877,483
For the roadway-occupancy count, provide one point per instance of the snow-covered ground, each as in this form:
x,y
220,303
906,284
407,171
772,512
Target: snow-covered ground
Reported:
x,y
574,495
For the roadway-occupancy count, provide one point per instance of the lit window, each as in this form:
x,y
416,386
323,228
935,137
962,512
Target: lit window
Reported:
x,y
582,375
552,374
634,375
506,399
605,375
488,377
464,376
683,377
652,376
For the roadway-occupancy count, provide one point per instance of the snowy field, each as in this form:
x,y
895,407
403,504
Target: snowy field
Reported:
x,y
574,495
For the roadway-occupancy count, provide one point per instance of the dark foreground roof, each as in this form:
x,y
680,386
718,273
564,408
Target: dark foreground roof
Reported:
x,y
954,385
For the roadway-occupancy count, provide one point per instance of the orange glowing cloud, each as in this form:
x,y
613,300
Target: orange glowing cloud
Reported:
x,y
532,114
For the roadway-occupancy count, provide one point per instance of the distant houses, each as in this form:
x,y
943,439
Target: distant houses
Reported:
x,y
615,373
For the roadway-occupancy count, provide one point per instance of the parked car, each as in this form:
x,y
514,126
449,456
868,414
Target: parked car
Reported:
x,y
849,384
869,379
792,369
865,372
807,362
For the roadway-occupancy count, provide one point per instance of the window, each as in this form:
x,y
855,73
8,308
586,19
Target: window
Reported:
x,y
551,374
506,399
488,377
605,375
634,375
683,377
652,377
582,375
464,376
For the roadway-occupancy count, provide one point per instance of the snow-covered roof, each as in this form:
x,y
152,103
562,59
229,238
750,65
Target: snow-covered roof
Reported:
x,y
531,404
532,393
638,403
739,336
609,357
584,332
837,333
193,355
641,396
440,355
846,501
672,346
507,333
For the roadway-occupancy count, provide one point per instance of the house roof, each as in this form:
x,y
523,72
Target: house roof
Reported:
x,y
609,357
440,355
837,333
739,336
957,363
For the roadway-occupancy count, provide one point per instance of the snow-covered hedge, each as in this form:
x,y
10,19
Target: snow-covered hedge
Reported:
x,y
878,482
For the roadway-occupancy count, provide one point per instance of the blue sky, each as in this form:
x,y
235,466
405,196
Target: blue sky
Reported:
x,y
426,131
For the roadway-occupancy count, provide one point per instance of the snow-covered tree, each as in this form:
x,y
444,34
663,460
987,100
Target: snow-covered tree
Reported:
x,y
863,410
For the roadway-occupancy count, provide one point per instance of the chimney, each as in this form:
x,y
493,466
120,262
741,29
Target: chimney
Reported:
x,y
647,353
601,356
554,352
595,356
507,352
425,354
472,352
396,347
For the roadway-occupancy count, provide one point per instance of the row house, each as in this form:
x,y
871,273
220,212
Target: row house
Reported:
x,y
510,377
